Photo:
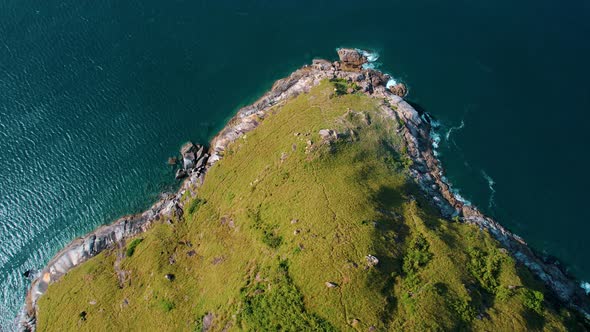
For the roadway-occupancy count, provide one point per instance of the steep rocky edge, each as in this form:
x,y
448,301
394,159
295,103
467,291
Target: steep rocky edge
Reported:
x,y
425,169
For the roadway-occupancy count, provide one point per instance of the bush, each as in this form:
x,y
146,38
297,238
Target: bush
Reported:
x,y
131,247
418,255
278,308
485,267
271,239
463,309
533,300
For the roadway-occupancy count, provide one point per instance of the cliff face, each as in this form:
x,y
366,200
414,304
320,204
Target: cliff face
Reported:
x,y
356,99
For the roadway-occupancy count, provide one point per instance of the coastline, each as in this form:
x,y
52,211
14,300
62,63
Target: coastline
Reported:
x,y
426,170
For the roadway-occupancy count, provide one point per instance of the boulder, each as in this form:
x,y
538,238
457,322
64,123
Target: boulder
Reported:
x,y
351,59
331,284
377,78
201,162
188,160
372,260
180,173
328,134
170,277
187,147
399,89
200,152
172,161
208,322
321,64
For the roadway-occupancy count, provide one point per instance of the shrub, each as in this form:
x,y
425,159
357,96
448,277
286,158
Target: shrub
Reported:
x,y
533,300
463,309
278,308
271,239
485,267
417,255
131,247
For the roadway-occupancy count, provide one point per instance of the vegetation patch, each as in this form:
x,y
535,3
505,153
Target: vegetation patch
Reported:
x,y
131,247
277,305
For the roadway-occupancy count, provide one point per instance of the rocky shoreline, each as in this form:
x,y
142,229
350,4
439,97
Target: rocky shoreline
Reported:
x,y
426,170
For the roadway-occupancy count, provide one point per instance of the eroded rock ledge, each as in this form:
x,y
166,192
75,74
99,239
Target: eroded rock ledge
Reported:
x,y
426,170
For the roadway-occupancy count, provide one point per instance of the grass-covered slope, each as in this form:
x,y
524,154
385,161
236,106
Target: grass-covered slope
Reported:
x,y
278,239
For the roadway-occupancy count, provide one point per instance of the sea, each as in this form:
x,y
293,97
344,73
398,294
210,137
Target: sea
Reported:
x,y
96,95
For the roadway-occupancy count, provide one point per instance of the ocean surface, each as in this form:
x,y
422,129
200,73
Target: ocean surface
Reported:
x,y
96,95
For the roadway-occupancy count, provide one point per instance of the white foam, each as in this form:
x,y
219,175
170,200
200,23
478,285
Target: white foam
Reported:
x,y
369,65
459,197
461,126
491,184
435,139
391,82
371,56
586,287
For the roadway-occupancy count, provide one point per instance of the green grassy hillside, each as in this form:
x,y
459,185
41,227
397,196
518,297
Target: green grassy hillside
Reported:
x,y
279,235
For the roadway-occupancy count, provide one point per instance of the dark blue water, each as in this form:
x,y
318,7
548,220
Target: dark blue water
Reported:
x,y
94,96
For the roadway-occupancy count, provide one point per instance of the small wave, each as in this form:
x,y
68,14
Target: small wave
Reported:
x,y
370,65
456,192
459,127
491,184
585,286
459,197
434,134
371,56
391,82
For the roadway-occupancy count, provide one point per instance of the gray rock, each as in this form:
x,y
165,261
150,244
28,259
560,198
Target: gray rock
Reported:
x,y
187,148
200,152
180,173
170,277
372,260
331,284
201,162
328,134
188,160
208,321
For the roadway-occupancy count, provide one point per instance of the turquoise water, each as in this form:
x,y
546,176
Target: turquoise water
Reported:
x,y
94,96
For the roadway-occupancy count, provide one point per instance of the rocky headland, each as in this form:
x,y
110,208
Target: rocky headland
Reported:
x,y
196,160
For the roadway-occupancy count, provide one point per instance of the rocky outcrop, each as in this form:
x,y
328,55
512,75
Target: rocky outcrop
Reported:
x,y
415,129
193,157
351,59
399,89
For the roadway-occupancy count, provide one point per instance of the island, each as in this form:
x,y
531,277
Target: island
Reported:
x,y
321,207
